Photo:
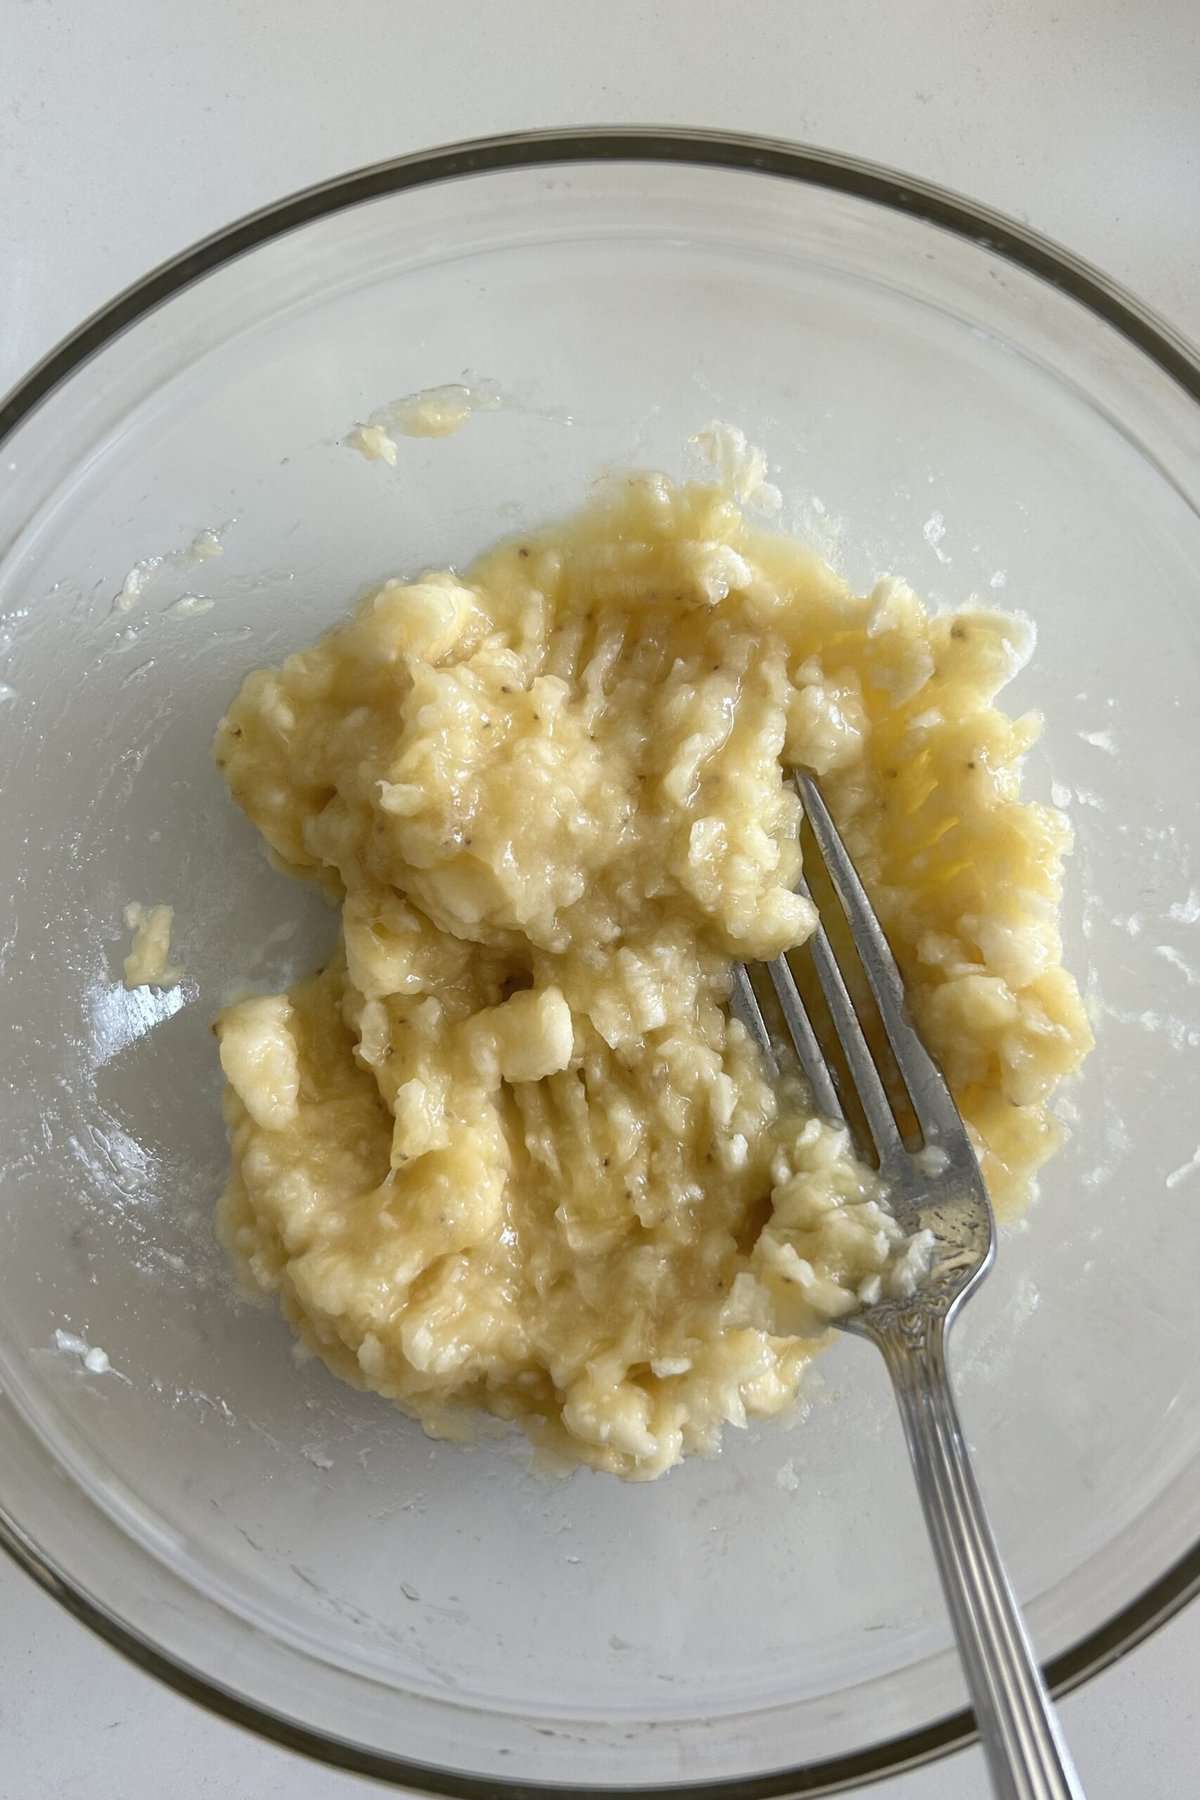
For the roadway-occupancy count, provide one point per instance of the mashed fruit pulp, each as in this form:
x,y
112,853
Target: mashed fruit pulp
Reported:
x,y
509,1150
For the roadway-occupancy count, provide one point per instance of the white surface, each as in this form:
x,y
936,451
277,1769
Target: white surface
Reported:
x,y
129,129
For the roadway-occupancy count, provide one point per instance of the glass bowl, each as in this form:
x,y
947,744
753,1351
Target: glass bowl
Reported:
x,y
942,395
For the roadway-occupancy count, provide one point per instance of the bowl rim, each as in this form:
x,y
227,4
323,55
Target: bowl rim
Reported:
x,y
809,165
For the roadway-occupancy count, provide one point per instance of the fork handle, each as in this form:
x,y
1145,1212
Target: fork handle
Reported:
x,y
1027,1756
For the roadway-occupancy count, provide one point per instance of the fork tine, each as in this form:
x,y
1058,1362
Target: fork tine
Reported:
x,y
745,1004
931,1100
804,1039
875,1104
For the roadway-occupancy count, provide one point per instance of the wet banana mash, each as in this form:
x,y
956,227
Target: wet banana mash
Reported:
x,y
509,1151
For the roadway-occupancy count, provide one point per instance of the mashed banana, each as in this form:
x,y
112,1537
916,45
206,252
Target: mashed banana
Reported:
x,y
148,963
509,1150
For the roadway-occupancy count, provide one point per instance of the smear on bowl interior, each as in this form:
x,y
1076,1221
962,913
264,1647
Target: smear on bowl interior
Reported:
x,y
430,413
509,1150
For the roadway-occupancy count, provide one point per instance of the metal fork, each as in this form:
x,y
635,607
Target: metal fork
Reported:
x,y
937,1188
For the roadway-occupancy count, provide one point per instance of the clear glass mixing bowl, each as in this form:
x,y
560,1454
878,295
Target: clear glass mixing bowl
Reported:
x,y
944,395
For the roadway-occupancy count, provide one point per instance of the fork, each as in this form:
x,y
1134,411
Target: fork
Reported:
x,y
938,1189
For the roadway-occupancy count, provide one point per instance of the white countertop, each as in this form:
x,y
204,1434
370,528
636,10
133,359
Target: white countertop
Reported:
x,y
130,128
